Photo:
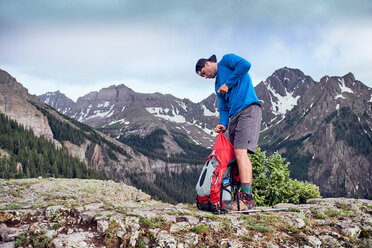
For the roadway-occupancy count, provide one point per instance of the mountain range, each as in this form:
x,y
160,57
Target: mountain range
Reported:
x,y
326,135
98,151
322,128
118,110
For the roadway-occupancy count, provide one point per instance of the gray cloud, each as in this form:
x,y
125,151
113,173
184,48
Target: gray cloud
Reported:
x,y
153,45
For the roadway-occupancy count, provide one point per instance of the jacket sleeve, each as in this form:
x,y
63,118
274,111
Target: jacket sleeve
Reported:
x,y
239,65
223,110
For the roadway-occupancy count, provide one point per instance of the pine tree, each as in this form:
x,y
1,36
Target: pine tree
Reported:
x,y
55,169
39,156
33,172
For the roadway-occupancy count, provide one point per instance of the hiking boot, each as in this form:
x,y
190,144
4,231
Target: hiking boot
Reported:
x,y
247,199
246,202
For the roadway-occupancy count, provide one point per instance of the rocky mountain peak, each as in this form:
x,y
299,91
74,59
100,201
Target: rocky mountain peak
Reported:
x,y
349,77
120,110
210,98
211,103
107,94
90,96
344,87
288,77
58,100
281,92
120,92
9,81
14,99
287,81
331,119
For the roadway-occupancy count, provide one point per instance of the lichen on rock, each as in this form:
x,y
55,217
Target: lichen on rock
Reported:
x,y
94,213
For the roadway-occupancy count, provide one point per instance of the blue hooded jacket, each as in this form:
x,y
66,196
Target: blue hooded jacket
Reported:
x,y
232,70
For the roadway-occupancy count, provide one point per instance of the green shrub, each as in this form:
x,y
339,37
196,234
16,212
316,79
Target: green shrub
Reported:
x,y
272,184
260,228
338,213
11,206
33,239
319,216
145,222
199,229
247,238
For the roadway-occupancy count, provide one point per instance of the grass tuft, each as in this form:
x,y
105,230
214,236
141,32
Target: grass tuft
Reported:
x,y
199,229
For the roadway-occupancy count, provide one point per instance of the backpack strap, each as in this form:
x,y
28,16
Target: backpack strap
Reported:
x,y
225,187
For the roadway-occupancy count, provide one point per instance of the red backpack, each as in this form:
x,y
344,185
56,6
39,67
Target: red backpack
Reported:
x,y
219,179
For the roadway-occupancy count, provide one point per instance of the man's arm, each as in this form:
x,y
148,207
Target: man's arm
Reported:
x,y
238,64
223,111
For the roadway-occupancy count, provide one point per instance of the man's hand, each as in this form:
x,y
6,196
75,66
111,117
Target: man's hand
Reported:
x,y
219,128
223,89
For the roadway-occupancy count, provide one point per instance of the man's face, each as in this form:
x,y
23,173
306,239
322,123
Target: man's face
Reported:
x,y
208,70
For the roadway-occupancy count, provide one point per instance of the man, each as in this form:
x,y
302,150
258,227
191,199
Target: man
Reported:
x,y
240,112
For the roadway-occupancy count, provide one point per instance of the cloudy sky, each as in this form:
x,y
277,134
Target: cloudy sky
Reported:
x,y
79,46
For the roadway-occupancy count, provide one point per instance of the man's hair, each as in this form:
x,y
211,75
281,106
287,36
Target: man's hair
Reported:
x,y
201,63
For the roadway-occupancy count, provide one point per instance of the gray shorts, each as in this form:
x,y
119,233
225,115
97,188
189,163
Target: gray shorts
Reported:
x,y
244,128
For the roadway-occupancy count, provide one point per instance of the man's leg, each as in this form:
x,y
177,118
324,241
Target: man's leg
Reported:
x,y
244,164
245,200
245,169
243,133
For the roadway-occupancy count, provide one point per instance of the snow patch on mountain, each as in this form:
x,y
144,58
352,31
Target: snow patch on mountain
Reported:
x,y
206,130
64,111
160,112
343,87
182,105
196,142
84,114
283,103
47,100
174,110
100,113
207,112
118,121
339,96
104,105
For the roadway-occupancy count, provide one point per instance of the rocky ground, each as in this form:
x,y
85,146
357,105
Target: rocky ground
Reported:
x,y
92,213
